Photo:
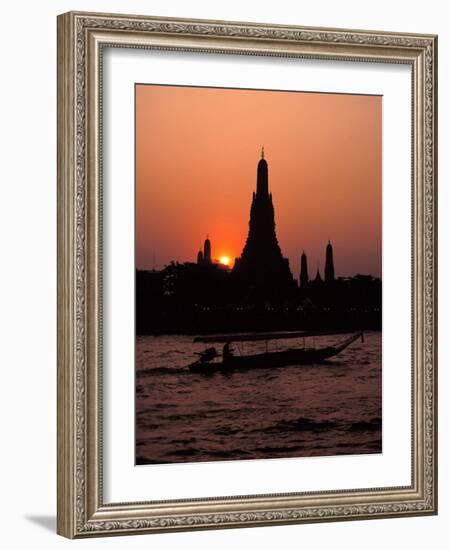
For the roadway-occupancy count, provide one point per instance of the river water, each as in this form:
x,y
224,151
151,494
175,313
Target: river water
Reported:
x,y
315,410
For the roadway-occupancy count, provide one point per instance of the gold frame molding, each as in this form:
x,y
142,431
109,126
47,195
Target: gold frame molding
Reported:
x,y
81,39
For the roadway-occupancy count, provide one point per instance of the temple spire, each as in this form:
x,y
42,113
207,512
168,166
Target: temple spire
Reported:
x,y
329,272
207,256
262,271
262,176
304,274
318,279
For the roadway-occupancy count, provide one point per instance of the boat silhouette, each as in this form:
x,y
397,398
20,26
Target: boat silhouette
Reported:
x,y
209,359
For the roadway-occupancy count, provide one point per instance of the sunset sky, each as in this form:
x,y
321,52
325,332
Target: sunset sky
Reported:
x,y
197,151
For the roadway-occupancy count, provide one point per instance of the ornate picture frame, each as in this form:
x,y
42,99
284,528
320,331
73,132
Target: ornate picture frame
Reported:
x,y
82,39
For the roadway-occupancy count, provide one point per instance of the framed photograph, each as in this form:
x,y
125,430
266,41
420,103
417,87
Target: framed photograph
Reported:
x,y
246,274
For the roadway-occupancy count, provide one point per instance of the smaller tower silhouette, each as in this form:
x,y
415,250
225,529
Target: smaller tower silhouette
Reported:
x,y
207,251
318,280
329,273
304,274
200,257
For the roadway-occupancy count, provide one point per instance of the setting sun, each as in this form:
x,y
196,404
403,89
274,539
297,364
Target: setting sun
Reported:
x,y
225,260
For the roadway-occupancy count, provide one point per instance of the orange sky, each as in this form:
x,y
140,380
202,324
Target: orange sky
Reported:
x,y
197,151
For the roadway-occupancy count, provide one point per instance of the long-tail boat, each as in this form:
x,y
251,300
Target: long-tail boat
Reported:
x,y
209,359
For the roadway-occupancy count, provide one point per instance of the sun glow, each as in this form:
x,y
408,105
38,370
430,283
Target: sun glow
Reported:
x,y
225,260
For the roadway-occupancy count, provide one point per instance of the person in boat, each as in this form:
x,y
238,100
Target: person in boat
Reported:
x,y
208,354
227,352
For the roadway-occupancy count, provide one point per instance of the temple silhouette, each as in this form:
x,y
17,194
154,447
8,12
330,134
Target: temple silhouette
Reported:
x,y
329,270
205,256
259,292
263,274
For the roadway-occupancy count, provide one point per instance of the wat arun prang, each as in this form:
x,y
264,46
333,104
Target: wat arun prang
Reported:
x,y
262,273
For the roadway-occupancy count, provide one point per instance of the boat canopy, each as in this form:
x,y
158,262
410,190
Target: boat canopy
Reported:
x,y
255,336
